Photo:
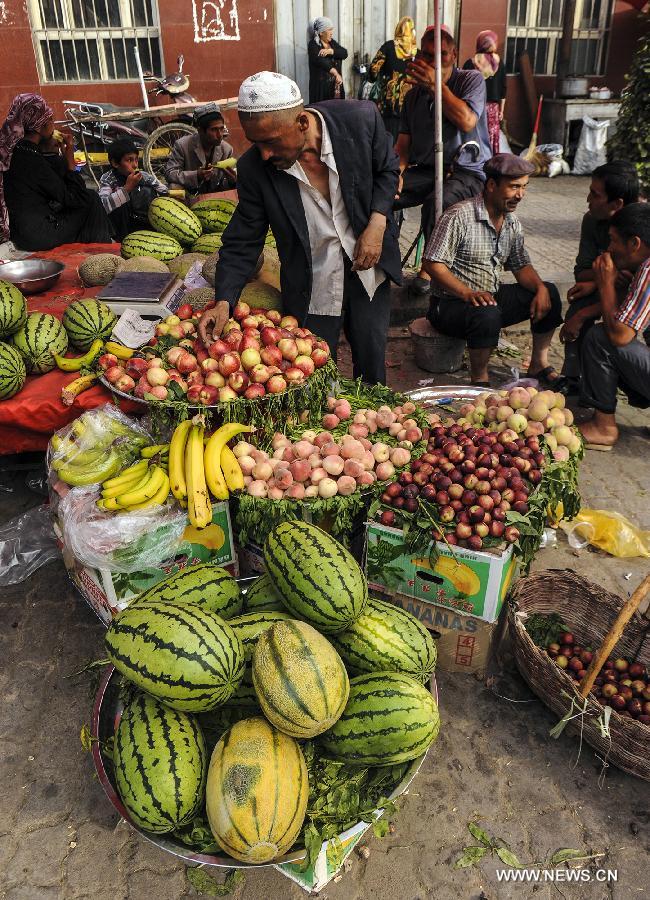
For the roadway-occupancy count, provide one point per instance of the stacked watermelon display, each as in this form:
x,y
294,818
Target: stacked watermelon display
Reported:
x,y
304,655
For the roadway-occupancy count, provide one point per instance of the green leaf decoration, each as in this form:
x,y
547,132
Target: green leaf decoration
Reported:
x,y
471,856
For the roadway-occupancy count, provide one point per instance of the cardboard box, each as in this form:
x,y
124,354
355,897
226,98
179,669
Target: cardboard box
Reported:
x,y
469,583
464,643
108,592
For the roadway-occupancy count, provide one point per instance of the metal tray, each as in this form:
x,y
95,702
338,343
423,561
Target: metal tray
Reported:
x,y
444,393
105,719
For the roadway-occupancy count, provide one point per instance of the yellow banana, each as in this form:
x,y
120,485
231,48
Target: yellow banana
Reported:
x,y
213,473
79,426
138,469
145,489
148,452
109,503
177,480
199,507
71,391
118,350
74,364
80,459
122,487
79,477
158,499
231,470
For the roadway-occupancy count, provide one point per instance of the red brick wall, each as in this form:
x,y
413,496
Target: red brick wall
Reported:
x,y
216,67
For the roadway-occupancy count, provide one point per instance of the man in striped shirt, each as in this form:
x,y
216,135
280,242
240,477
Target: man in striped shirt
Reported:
x,y
613,357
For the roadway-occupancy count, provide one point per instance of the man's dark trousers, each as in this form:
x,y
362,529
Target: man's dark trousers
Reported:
x,y
606,367
365,324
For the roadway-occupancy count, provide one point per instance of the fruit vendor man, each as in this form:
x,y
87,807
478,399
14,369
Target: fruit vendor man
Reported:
x,y
193,162
614,355
472,244
323,179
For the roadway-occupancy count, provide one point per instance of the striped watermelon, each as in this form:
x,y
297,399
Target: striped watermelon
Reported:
x,y
257,791
13,309
261,596
390,718
210,586
87,320
207,243
39,339
184,655
299,679
387,638
249,627
12,371
213,215
173,218
160,764
245,695
150,243
316,577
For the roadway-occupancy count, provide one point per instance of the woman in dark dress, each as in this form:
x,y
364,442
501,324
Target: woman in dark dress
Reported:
x,y
47,205
325,63
489,64
388,72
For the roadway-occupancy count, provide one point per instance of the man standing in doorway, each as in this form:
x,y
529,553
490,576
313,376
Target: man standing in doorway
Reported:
x,y
323,178
464,119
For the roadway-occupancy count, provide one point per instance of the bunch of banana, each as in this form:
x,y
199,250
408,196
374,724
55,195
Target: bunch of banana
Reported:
x,y
118,350
144,484
76,363
222,470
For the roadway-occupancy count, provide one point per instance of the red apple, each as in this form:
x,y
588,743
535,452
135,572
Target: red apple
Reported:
x,y
194,392
186,363
294,375
218,348
241,310
238,381
305,363
208,395
259,374
107,361
249,322
305,345
248,342
276,384
229,363
288,348
195,377
113,373
209,365
274,315
271,355
250,358
185,311
226,394
289,322
254,391
270,335
125,383
234,340
215,379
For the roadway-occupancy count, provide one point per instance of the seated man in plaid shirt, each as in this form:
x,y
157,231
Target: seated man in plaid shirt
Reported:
x,y
613,356
472,244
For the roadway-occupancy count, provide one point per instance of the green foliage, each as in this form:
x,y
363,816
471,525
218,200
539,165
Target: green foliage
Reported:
x,y
206,884
632,138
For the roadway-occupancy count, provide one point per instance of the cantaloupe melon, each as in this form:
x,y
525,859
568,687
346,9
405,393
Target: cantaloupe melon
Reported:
x,y
144,264
100,269
259,295
183,263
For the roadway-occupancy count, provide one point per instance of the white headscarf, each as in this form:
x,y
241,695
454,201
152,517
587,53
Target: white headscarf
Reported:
x,y
322,23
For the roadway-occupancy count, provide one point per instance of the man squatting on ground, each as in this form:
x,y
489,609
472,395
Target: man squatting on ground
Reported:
x,y
472,244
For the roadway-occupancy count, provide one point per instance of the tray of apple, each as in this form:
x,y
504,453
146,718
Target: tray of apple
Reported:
x,y
259,356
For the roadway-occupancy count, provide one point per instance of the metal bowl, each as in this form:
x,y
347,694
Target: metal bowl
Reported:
x,y
107,711
32,276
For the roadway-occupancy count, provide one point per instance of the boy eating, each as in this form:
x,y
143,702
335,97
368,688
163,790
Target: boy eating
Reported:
x,y
127,192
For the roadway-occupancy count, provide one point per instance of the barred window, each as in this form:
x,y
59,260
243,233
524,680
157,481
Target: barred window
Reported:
x,y
536,26
94,40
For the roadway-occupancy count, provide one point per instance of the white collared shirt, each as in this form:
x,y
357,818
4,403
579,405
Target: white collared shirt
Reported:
x,y
330,235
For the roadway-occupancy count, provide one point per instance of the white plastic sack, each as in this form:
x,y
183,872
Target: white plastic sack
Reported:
x,y
592,151
553,151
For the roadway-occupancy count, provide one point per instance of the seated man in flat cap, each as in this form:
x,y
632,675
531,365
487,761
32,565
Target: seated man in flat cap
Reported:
x,y
323,178
472,244
192,164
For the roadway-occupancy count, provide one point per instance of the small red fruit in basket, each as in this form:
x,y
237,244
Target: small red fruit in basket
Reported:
x,y
125,383
208,395
238,381
271,355
609,690
586,656
241,311
185,311
294,375
218,348
511,534
617,702
387,517
621,665
270,335
567,638
634,707
186,363
107,361
254,391
636,670
574,664
320,356
276,384
229,363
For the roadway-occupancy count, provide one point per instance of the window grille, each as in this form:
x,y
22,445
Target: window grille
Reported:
x,y
94,40
536,26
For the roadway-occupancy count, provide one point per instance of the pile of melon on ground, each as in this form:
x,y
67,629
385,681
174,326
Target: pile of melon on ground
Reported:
x,y
33,343
181,237
235,702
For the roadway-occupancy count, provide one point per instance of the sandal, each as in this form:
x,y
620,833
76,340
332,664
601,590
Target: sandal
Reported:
x,y
559,384
604,448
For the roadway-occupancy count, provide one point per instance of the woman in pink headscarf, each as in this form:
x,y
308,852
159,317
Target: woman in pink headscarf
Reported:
x,y
43,205
489,64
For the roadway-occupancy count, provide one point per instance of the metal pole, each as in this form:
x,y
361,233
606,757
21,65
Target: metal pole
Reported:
x,y
566,41
145,98
437,124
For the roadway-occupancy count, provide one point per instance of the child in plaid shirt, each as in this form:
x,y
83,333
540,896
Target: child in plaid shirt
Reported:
x,y
126,192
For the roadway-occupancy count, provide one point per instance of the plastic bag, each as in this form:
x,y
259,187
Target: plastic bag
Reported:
x,y
127,542
591,151
26,543
609,531
94,447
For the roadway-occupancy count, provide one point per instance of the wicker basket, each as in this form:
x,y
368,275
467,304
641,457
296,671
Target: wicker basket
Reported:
x,y
589,611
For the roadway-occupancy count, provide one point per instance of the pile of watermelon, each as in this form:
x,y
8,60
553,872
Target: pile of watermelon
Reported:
x,y
304,655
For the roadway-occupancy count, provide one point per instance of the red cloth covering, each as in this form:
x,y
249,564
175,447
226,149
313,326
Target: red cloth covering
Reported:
x,y
28,420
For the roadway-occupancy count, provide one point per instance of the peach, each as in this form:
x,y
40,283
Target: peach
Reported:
x,y
262,471
159,391
275,493
385,470
358,431
381,452
311,491
400,457
330,421
353,468
327,488
317,475
366,478
352,449
295,491
322,439
333,465
257,489
343,409
303,449
283,478
300,469
368,461
346,485
314,460
247,464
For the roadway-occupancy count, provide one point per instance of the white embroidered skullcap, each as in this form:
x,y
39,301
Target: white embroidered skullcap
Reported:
x,y
268,92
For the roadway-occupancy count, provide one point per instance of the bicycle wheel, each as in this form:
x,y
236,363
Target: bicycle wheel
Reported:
x,y
159,146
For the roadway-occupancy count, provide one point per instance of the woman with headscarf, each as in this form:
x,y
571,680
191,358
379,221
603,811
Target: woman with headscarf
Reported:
x,y
388,72
43,205
325,63
489,64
